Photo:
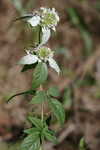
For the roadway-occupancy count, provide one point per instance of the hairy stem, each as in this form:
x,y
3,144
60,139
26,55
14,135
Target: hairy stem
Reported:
x,y
42,105
39,35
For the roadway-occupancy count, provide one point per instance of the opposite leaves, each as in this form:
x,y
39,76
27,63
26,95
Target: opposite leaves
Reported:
x,y
39,97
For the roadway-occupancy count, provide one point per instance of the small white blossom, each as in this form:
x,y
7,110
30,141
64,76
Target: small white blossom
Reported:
x,y
48,19
42,54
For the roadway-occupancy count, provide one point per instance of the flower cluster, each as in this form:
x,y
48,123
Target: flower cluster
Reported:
x,y
47,19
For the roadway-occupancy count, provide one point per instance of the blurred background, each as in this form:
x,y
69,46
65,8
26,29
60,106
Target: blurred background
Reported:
x,y
77,47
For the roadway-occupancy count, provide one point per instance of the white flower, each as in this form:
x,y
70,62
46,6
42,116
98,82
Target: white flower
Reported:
x,y
48,19
43,54
34,21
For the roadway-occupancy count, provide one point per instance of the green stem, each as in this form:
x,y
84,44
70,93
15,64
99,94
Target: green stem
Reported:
x,y
39,35
42,105
42,111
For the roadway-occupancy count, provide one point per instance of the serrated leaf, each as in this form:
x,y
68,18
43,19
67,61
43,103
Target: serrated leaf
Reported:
x,y
36,122
28,59
31,131
54,91
31,142
50,136
39,97
40,75
57,110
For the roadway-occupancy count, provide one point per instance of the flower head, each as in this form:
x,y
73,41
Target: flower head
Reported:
x,y
43,54
49,18
45,17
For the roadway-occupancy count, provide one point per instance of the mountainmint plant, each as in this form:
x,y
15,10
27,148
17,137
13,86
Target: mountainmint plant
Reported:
x,y
40,58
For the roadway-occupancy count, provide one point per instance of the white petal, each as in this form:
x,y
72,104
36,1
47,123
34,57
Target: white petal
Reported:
x,y
45,35
53,28
34,21
28,59
54,65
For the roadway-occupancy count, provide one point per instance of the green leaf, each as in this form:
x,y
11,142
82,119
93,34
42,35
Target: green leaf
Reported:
x,y
54,91
57,110
40,75
82,145
21,93
31,142
50,136
36,122
78,21
31,130
39,97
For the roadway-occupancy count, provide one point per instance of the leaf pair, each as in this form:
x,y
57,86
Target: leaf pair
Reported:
x,y
37,134
55,106
39,97
42,96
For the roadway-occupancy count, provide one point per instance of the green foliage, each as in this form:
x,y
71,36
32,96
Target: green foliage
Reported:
x,y
88,80
54,91
39,97
50,136
82,145
57,110
28,92
67,100
37,58
38,123
31,142
40,75
79,22
31,130
40,131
